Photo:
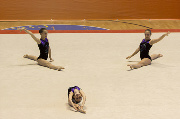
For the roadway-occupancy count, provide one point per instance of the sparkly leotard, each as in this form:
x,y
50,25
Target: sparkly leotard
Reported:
x,y
44,48
144,49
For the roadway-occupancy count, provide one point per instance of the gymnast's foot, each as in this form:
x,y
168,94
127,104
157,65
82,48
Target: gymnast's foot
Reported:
x,y
82,111
25,56
160,55
59,68
131,66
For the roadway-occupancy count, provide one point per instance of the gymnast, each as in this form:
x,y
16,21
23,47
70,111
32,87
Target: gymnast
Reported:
x,y
44,48
75,95
144,48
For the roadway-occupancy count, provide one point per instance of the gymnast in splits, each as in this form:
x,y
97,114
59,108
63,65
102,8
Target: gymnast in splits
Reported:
x,y
44,48
75,95
144,48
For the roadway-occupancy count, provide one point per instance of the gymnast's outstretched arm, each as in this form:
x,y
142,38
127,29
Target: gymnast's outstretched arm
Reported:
x,y
136,51
30,33
84,97
153,41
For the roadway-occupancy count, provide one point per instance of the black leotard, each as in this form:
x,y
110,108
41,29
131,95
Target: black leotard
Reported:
x,y
44,48
144,49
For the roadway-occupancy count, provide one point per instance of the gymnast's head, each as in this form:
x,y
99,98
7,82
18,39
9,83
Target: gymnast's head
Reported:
x,y
77,97
147,34
43,32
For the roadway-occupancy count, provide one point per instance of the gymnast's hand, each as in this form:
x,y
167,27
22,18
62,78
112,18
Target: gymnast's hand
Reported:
x,y
76,107
20,29
51,60
167,33
128,57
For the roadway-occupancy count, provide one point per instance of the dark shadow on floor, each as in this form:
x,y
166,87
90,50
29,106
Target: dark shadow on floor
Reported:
x,y
26,64
133,61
